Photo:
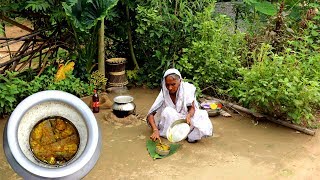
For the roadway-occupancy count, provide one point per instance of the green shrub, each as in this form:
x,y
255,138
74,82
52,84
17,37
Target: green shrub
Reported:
x,y
98,80
282,85
14,89
215,54
10,89
71,84
283,76
163,29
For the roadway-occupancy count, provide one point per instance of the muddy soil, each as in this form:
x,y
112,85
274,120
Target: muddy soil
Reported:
x,y
240,149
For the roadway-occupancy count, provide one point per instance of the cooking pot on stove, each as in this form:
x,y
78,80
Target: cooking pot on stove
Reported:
x,y
123,106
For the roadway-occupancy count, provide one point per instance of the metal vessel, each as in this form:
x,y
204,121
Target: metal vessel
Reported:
x,y
123,106
45,104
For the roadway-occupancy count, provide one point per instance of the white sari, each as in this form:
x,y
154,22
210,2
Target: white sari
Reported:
x,y
167,112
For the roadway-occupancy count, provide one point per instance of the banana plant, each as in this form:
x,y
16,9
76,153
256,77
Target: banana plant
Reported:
x,y
262,6
85,14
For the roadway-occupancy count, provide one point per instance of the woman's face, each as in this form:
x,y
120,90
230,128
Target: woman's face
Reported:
x,y
172,84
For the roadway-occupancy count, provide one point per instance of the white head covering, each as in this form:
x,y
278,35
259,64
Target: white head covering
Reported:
x,y
172,71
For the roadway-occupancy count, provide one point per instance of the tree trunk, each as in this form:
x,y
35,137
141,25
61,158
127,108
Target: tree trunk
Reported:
x,y
130,40
101,63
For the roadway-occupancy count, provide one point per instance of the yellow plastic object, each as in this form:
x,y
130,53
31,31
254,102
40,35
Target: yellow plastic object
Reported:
x,y
213,106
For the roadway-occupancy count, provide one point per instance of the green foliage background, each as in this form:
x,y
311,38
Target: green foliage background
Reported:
x,y
214,55
283,79
272,67
14,89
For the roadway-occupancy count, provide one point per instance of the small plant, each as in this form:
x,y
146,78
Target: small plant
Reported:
x,y
10,87
38,5
98,80
132,75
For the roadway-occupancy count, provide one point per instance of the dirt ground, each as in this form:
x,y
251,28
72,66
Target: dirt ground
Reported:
x,y
12,32
240,149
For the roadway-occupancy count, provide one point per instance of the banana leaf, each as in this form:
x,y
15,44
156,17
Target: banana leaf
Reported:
x,y
86,13
266,7
263,6
151,147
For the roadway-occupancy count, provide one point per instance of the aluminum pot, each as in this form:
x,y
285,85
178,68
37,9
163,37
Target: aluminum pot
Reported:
x,y
39,106
123,106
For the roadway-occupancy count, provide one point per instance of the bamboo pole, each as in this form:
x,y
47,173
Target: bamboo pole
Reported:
x,y
293,126
21,38
19,57
44,62
259,115
101,61
5,35
15,23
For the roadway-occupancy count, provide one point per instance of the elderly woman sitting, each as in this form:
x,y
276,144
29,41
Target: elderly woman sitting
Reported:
x,y
175,101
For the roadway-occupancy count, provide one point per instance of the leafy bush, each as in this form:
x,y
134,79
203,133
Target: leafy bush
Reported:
x,y
14,89
10,90
163,29
214,56
282,80
71,84
282,85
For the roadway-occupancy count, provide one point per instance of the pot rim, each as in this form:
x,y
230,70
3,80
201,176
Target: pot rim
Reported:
x,y
122,99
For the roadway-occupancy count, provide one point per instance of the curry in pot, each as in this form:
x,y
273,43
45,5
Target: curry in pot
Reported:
x,y
54,140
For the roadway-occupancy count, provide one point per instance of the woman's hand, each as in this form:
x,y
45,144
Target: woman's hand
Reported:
x,y
188,118
191,110
155,135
